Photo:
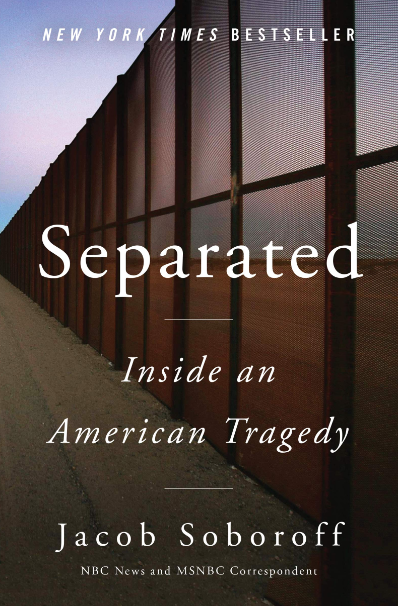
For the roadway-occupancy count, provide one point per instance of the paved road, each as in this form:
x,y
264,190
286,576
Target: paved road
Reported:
x,y
47,375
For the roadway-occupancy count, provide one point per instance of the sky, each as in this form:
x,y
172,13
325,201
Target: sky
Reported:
x,y
49,89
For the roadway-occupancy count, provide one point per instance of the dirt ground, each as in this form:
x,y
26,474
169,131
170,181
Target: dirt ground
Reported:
x,y
47,375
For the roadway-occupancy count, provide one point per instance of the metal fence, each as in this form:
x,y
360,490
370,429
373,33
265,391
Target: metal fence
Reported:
x,y
242,143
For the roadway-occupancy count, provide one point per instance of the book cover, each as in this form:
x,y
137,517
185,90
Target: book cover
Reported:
x,y
198,303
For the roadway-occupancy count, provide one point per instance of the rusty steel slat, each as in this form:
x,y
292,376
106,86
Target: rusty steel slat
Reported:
x,y
147,70
340,189
41,227
121,120
50,302
17,230
66,240
87,224
22,247
103,125
27,245
236,212
16,253
33,246
41,204
182,189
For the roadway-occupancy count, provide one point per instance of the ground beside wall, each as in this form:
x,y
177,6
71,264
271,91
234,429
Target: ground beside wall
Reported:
x,y
47,375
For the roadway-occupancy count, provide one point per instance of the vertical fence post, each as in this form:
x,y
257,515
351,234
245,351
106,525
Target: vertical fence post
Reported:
x,y
16,248
31,261
18,244
27,245
27,249
37,251
87,224
182,186
50,283
12,259
22,239
29,256
147,237
8,244
11,256
103,231
25,242
29,242
340,293
28,253
23,246
15,245
67,243
41,303
236,209
33,245
121,127
39,245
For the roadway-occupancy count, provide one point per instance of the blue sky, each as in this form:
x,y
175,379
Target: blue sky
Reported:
x,y
48,89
